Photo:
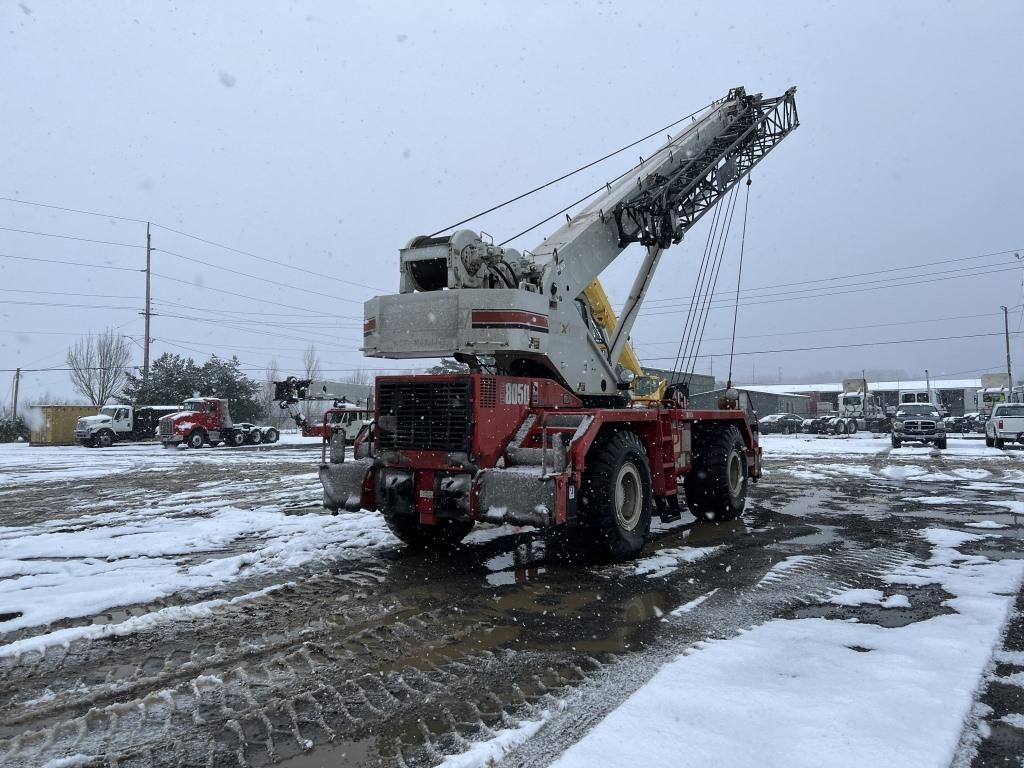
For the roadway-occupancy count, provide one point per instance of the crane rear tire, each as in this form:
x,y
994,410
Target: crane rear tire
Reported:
x,y
716,485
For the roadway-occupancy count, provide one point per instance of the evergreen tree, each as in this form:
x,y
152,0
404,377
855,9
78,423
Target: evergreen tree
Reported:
x,y
173,378
222,378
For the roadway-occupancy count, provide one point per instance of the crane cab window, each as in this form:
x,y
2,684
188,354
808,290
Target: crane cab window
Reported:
x,y
595,330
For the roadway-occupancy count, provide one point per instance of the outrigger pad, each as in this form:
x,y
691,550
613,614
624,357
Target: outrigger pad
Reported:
x,y
343,484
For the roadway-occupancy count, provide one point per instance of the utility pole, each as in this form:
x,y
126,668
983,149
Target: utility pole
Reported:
x,y
145,345
17,380
1009,368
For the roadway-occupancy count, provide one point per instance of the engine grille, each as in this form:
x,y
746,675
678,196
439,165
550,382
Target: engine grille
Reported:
x,y
425,416
165,428
919,427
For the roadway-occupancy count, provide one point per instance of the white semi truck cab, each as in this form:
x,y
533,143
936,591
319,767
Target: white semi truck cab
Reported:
x,y
120,422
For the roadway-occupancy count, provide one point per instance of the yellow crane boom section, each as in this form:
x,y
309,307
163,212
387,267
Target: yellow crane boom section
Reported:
x,y
645,387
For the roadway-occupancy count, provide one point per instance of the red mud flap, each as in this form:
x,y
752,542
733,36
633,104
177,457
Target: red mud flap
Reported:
x,y
343,484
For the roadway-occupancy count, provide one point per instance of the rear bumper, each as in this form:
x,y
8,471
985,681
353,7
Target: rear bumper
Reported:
x,y
1005,434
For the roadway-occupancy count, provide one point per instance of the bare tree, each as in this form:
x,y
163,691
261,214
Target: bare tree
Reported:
x,y
275,416
98,365
311,362
359,376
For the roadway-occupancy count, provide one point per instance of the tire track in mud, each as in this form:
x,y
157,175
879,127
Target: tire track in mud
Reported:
x,y
397,661
331,656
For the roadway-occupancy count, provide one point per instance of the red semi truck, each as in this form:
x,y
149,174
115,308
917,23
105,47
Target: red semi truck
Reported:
x,y
206,421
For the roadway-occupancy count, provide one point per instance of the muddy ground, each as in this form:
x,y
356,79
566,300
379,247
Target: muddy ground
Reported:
x,y
391,657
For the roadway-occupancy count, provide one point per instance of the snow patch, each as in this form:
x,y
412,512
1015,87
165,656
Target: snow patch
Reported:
x,y
665,561
816,691
483,754
687,607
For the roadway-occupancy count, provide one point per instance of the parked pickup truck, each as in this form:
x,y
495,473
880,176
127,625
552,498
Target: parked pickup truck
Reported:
x,y
918,423
120,422
1005,424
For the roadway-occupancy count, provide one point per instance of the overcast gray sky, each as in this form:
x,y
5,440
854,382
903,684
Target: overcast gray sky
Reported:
x,y
321,136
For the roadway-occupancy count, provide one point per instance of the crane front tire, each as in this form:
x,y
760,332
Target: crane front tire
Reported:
x,y
444,534
615,497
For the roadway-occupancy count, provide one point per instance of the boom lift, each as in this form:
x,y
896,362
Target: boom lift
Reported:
x,y
347,417
540,431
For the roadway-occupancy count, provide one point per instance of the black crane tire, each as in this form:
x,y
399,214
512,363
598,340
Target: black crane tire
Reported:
x,y
615,496
716,485
442,535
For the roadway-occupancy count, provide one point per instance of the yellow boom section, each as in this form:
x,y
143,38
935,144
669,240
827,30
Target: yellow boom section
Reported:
x,y
645,388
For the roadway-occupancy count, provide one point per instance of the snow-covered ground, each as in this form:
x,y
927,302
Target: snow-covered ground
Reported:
x,y
23,463
812,692
181,536
134,546
75,568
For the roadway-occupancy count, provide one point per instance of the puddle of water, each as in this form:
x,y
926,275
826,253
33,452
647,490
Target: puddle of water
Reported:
x,y
524,563
332,755
826,534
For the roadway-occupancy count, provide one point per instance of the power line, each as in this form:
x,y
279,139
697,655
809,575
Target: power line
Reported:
x,y
257,277
72,210
863,274
70,263
958,272
806,331
847,346
226,324
229,293
70,237
188,235
748,303
307,313
66,306
269,261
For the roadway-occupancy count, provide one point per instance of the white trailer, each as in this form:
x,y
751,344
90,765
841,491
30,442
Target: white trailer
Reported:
x,y
995,388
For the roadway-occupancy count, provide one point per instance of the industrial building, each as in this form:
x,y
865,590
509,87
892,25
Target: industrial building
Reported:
x,y
765,401
957,396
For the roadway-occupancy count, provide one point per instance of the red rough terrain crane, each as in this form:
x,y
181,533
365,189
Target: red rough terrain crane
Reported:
x,y
541,431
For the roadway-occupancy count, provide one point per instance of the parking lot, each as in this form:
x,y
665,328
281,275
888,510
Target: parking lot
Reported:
x,y
197,608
